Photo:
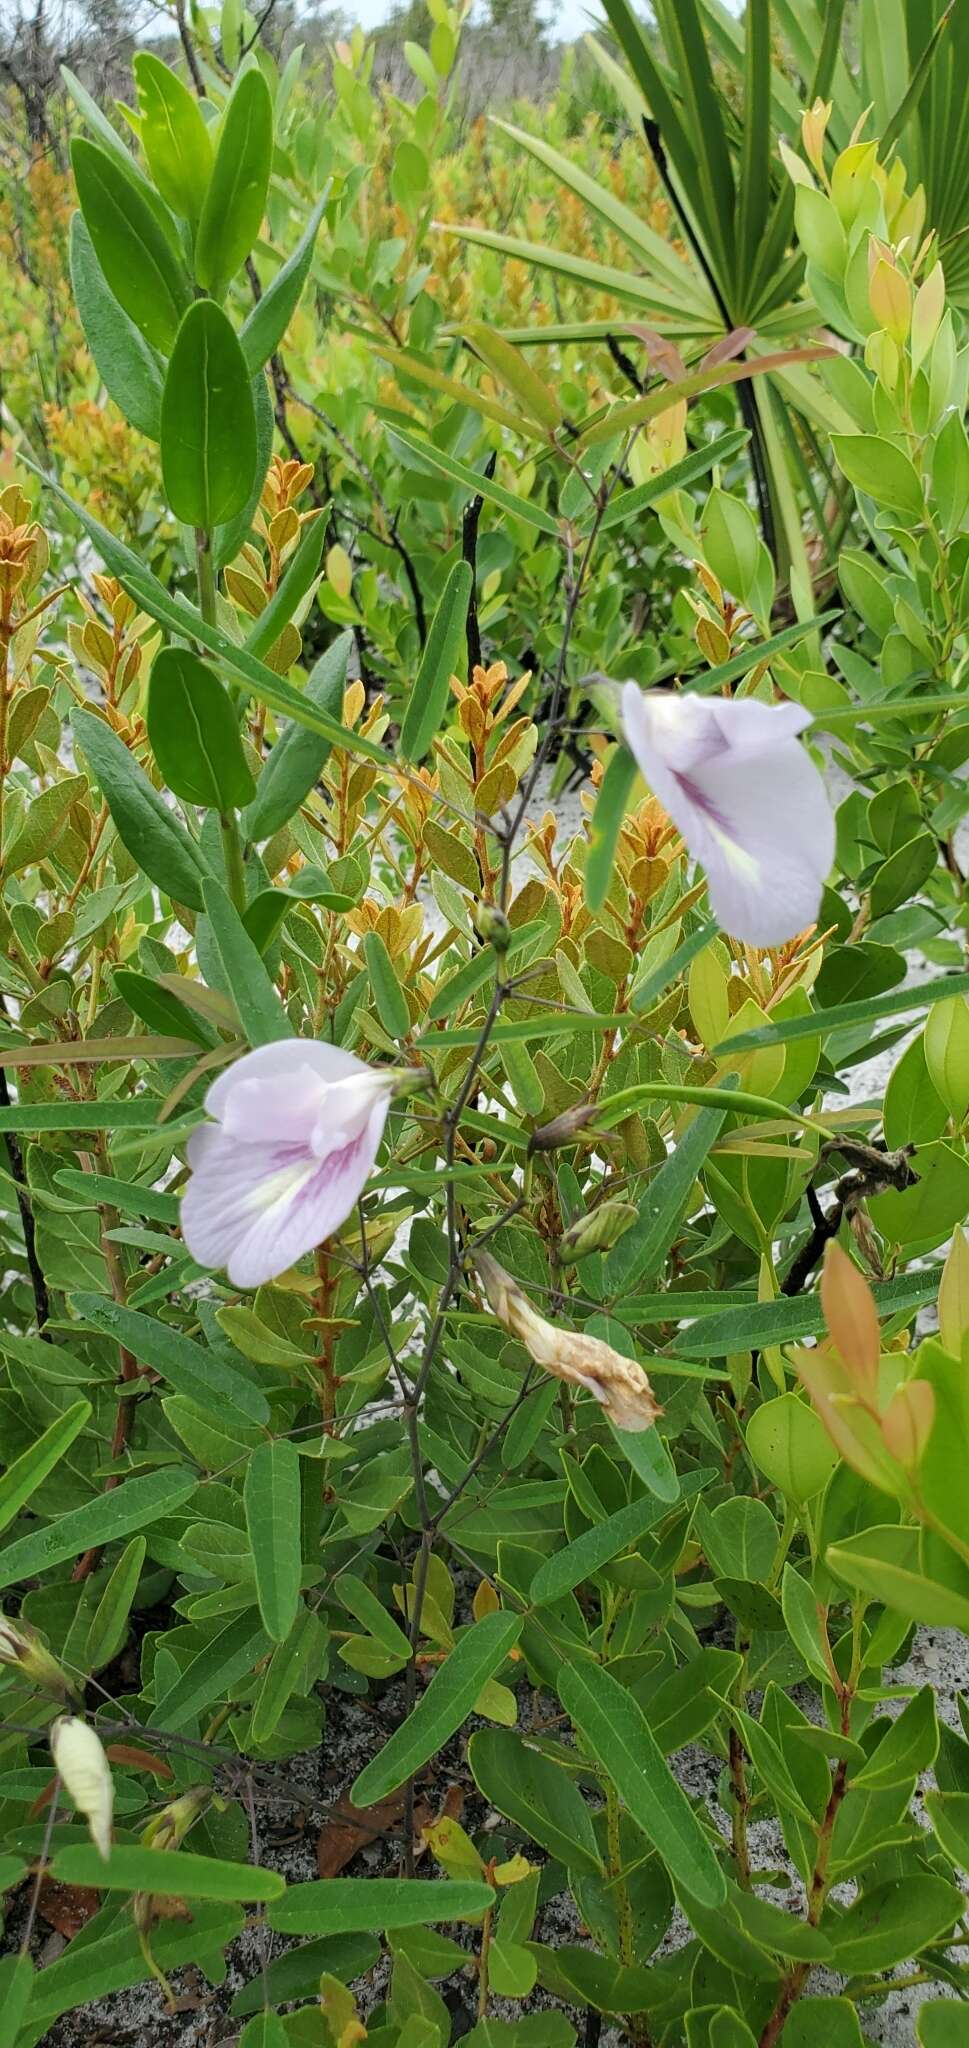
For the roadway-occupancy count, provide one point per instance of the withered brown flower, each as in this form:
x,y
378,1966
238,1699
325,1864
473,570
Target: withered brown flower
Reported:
x,y
618,1384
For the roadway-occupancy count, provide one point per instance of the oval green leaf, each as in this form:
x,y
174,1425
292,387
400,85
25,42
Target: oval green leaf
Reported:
x,y
208,421
194,733
139,261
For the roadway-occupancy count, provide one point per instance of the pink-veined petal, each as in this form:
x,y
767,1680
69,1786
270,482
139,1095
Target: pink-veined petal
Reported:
x,y
231,1187
303,1218
345,1109
280,1109
256,1209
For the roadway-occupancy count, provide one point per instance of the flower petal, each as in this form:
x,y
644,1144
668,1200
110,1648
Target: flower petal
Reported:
x,y
751,727
256,1209
281,1061
771,833
756,813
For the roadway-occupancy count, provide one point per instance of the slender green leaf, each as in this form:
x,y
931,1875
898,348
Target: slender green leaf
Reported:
x,y
428,699
137,257
212,1675
93,1968
273,1521
25,1474
655,983
632,504
652,292
642,1249
174,135
389,997
138,1115
135,1504
291,1667
140,815
614,1726
91,1189
757,1326
476,482
192,1369
296,584
752,654
356,1905
236,197
513,370
166,1873
187,622
261,1013
16,1986
297,760
596,1547
757,143
845,1016
109,1623
297,1972
161,1010
449,1699
537,1795
266,325
635,412
233,534
611,803
660,258
407,364
126,363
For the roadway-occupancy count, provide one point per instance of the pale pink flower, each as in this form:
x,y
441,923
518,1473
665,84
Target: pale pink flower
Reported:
x,y
748,799
297,1126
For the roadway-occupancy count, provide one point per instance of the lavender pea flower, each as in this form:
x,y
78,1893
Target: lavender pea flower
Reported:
x,y
749,801
295,1132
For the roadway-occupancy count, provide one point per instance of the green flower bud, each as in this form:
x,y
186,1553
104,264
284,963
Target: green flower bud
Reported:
x,y
597,1232
493,926
564,1129
34,1661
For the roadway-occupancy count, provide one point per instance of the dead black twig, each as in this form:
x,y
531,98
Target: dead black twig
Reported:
x,y
469,550
871,1171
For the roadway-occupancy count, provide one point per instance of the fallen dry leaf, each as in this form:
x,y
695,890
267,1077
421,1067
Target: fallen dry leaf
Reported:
x,y
352,1828
67,1907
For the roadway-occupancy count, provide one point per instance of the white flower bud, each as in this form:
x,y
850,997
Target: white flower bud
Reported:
x,y
86,1773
